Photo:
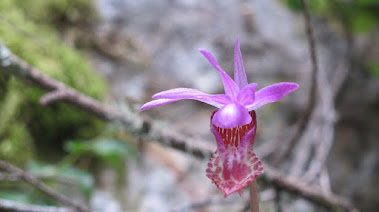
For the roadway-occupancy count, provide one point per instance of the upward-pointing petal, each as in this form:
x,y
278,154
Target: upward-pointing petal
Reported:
x,y
272,93
239,71
246,96
218,100
231,88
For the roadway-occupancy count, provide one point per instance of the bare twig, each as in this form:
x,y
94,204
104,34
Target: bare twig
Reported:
x,y
147,131
52,177
8,177
19,67
298,129
320,135
41,186
18,207
325,181
54,96
296,186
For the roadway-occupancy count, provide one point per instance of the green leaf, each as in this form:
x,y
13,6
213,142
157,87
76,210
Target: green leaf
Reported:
x,y
367,2
373,68
83,179
363,22
77,177
16,195
294,5
111,150
76,147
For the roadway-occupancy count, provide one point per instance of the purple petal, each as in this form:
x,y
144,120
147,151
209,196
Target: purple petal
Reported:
x,y
272,93
239,71
188,93
247,95
219,141
156,103
231,115
231,88
246,141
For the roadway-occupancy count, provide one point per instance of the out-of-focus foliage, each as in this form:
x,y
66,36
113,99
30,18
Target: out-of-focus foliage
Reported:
x,y
359,15
61,175
373,67
14,136
109,150
66,178
61,13
26,195
27,28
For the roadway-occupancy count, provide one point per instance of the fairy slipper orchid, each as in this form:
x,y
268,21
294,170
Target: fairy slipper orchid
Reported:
x,y
234,165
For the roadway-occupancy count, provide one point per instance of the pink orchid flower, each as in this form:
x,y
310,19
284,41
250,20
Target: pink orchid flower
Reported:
x,y
234,165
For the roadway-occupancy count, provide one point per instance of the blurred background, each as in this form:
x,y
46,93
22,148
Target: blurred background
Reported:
x,y
121,52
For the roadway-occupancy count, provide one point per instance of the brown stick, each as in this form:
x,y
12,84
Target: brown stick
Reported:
x,y
42,187
296,186
58,90
254,203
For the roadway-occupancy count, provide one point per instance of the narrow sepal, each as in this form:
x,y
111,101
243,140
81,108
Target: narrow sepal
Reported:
x,y
239,70
231,88
272,93
156,103
218,100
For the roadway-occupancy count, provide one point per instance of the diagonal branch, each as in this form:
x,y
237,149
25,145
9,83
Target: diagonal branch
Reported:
x,y
298,187
41,186
9,205
16,66
145,130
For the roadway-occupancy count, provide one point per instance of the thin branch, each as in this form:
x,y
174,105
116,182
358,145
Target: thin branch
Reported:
x,y
325,181
19,67
18,207
145,130
299,128
51,177
298,187
8,177
54,96
41,186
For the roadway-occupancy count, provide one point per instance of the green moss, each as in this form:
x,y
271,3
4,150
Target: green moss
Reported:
x,y
17,146
27,30
61,13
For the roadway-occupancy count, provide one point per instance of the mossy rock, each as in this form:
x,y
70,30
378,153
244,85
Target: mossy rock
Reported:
x,y
42,128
